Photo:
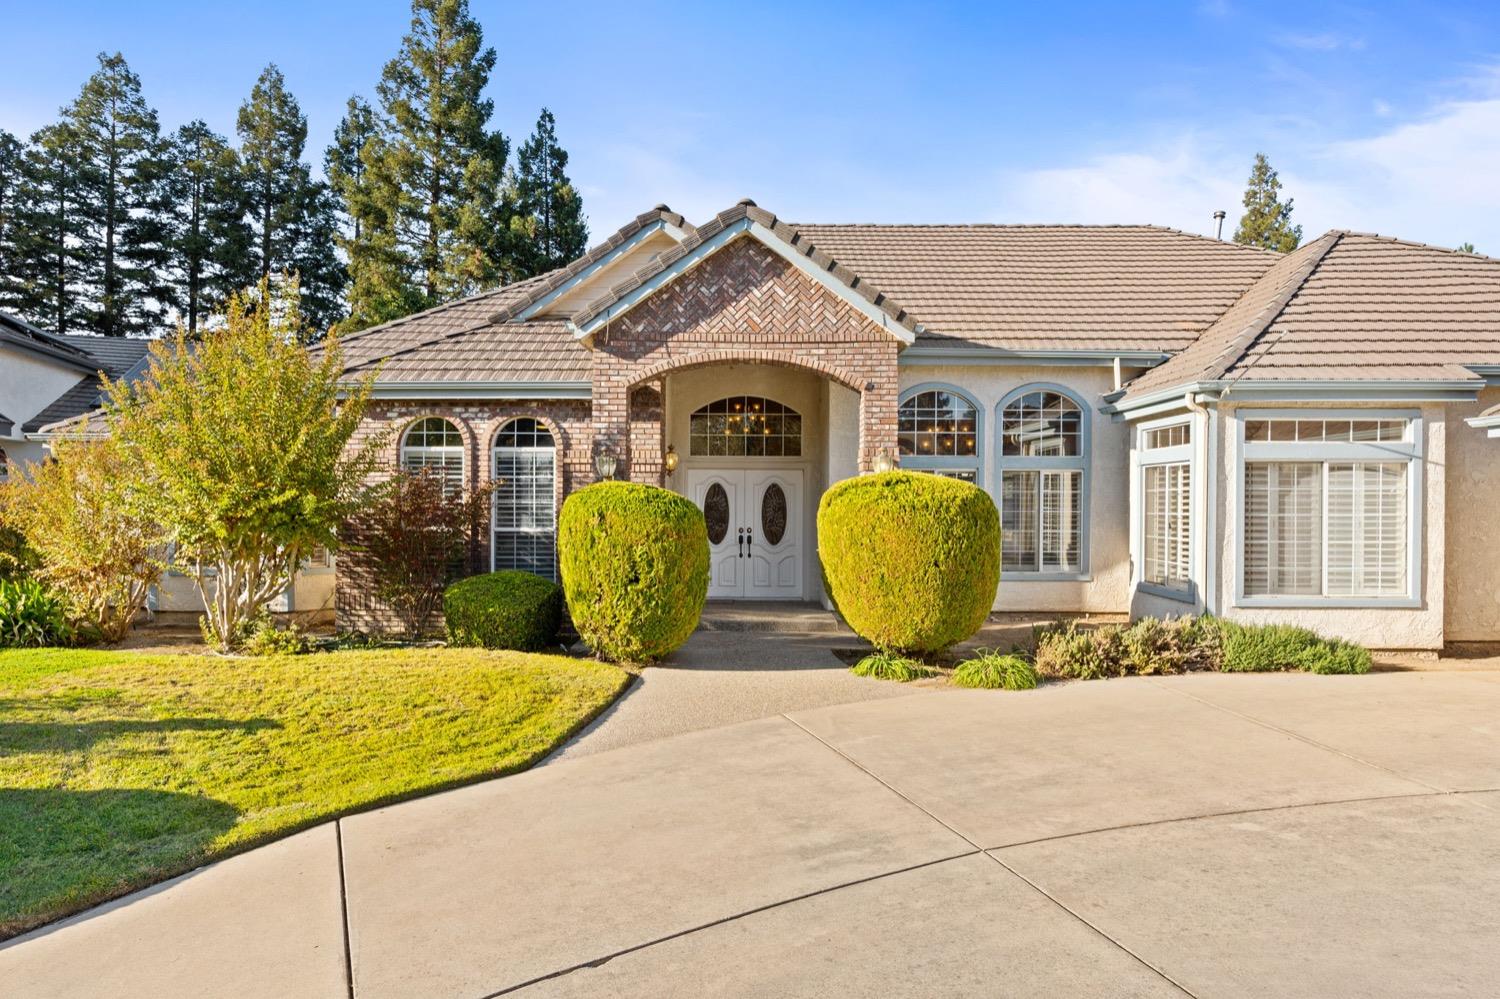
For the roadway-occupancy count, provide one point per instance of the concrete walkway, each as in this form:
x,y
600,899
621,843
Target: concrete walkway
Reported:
x,y
1206,835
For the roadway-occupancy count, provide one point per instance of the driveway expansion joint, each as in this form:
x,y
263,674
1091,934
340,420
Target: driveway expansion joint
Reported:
x,y
599,962
1002,864
1302,738
338,837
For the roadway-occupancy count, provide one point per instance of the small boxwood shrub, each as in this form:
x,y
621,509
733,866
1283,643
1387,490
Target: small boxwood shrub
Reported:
x,y
910,560
994,670
503,610
1151,646
635,568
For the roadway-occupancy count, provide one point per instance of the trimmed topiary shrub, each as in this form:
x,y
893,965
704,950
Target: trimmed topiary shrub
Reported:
x,y
910,560
993,670
503,610
634,567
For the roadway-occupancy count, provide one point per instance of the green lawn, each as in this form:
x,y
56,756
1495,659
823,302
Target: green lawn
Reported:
x,y
120,769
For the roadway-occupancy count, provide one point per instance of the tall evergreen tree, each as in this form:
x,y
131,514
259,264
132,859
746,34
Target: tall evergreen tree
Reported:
x,y
1267,221
343,163
549,227
12,153
432,221
206,206
51,229
291,216
118,173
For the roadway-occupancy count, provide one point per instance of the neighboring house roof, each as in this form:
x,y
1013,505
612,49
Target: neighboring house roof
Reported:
x,y
1349,307
6,425
120,358
1035,287
16,332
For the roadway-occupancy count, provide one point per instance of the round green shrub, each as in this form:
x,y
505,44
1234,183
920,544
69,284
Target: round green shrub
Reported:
x,y
634,567
503,610
910,560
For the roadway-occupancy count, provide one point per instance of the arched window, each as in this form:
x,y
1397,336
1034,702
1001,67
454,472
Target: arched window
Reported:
x,y
524,509
746,426
434,443
938,432
1044,460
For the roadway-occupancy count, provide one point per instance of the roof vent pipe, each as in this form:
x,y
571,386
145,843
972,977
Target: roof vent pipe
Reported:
x,y
1219,223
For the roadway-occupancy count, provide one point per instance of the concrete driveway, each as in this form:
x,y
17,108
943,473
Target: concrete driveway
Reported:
x,y
1203,835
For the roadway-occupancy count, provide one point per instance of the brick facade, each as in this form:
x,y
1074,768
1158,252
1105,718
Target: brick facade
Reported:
x,y
744,304
356,607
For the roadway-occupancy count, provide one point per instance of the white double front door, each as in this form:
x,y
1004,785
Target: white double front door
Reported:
x,y
754,522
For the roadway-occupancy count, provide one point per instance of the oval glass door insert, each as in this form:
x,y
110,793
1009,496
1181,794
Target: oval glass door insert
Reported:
x,y
716,513
773,514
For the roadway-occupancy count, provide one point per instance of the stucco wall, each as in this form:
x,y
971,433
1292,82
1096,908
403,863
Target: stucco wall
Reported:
x,y
689,390
1379,627
28,384
1107,586
1472,584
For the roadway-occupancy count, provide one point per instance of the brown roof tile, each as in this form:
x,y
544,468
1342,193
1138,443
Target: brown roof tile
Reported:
x,y
1351,307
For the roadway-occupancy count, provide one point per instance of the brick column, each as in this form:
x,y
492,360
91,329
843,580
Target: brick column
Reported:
x,y
644,463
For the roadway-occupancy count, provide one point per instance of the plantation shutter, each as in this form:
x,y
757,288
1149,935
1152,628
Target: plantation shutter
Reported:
x,y
1284,528
1366,529
525,517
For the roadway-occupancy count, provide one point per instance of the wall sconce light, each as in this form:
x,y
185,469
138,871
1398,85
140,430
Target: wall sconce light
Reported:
x,y
605,463
884,461
670,459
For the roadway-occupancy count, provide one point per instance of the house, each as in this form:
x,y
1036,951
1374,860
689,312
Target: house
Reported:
x,y
52,385
47,379
1168,423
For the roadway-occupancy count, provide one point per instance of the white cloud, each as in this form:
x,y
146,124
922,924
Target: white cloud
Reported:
x,y
1323,41
1432,179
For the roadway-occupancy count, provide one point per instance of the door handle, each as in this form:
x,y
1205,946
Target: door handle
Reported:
x,y
741,542
749,538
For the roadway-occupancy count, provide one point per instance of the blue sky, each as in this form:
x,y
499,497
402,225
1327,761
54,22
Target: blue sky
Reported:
x,y
1381,117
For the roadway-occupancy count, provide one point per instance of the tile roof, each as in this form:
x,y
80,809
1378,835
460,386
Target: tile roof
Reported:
x,y
1351,307
797,238
1022,287
543,284
19,333
434,345
115,354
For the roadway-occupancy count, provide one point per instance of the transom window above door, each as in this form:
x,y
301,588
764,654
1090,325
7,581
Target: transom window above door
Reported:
x,y
745,426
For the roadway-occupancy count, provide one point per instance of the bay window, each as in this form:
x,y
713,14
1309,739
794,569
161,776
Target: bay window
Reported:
x,y
1329,508
1164,458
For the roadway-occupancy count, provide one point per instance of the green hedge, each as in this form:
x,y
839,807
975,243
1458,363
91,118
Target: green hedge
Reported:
x,y
635,568
503,610
910,560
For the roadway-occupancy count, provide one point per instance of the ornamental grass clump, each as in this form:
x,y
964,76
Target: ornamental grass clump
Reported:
x,y
910,560
634,569
892,666
991,669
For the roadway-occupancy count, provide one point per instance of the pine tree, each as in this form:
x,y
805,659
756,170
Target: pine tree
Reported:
x,y
291,216
205,209
1267,219
118,174
432,224
548,227
12,153
51,228
343,164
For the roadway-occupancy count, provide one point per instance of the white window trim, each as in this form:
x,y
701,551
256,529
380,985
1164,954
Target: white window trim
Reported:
x,y
496,452
1082,463
1410,451
434,451
1181,454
